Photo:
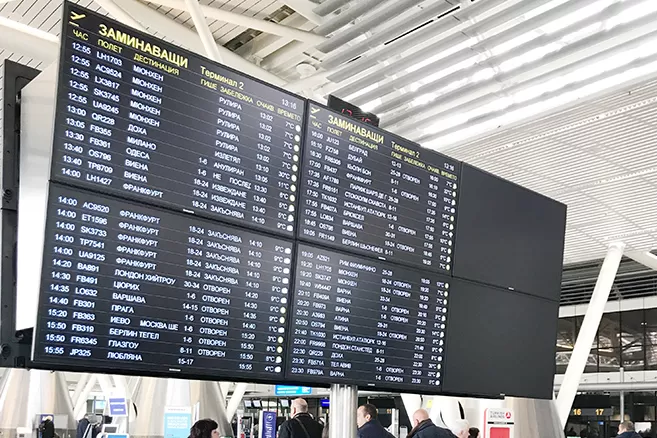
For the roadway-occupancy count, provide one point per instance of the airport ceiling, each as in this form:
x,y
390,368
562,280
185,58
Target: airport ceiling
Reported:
x,y
555,95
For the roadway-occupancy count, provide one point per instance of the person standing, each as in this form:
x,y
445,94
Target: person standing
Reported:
x,y
368,424
626,430
205,428
301,425
423,427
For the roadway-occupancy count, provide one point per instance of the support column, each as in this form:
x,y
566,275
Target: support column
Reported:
x,y
235,399
588,330
203,30
342,417
622,406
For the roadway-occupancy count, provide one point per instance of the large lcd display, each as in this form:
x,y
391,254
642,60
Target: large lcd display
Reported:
x,y
368,191
500,342
144,119
134,288
365,322
509,236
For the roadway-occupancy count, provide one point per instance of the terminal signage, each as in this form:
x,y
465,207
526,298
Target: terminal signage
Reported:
x,y
292,390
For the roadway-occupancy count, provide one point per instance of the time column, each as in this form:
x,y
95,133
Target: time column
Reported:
x,y
70,319
78,95
264,314
92,98
315,200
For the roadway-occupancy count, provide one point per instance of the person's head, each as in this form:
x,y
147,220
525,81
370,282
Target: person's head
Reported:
x,y
474,432
626,426
419,416
461,429
206,428
299,406
365,414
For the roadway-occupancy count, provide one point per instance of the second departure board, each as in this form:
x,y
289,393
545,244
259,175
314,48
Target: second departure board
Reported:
x,y
133,288
144,119
366,322
365,190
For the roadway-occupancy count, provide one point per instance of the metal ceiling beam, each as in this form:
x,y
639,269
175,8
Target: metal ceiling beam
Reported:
x,y
347,16
119,14
385,12
203,30
335,60
190,39
631,75
478,95
645,258
431,11
248,22
329,6
265,44
305,8
329,26
481,51
458,21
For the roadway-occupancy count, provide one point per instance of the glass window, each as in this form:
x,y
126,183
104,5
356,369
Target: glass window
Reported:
x,y
566,337
609,330
592,362
633,357
632,339
650,338
609,359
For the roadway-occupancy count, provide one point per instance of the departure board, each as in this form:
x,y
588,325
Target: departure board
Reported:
x,y
361,321
144,119
132,288
368,191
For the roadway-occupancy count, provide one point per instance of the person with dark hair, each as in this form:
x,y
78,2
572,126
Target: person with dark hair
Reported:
x,y
626,430
423,427
474,432
368,425
47,428
205,428
302,424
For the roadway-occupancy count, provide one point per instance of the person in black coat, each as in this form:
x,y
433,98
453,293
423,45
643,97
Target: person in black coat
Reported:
x,y
368,425
626,430
301,425
423,427
47,428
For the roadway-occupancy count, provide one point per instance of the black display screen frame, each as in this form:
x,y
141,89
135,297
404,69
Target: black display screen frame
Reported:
x,y
145,369
60,115
457,164
305,380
